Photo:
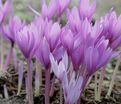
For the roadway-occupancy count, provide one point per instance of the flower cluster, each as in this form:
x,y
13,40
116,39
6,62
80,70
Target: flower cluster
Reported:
x,y
73,51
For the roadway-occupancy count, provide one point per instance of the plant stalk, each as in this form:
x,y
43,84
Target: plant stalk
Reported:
x,y
2,54
38,79
96,87
102,75
52,87
29,82
113,78
61,95
47,85
8,58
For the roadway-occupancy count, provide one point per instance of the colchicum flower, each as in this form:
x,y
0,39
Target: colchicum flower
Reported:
x,y
74,20
55,8
10,30
61,72
28,40
96,56
49,41
62,5
112,29
49,36
4,9
50,10
86,10
42,53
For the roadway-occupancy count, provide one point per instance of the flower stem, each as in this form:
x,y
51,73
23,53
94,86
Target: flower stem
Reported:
x,y
86,78
102,75
113,78
8,58
38,79
2,54
61,95
29,82
52,87
15,59
96,87
47,85
20,76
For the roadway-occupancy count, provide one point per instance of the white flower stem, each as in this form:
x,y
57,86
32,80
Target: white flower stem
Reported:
x,y
113,78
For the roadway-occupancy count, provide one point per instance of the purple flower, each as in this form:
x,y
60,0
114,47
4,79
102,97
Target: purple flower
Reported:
x,y
62,5
74,20
50,10
61,69
4,9
112,29
67,39
81,40
96,56
62,73
15,24
42,53
72,96
52,34
86,10
28,40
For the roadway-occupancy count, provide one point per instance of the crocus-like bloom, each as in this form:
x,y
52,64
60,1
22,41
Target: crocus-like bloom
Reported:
x,y
42,53
50,10
51,31
28,40
4,9
15,24
74,21
55,8
52,34
97,56
112,29
86,10
67,39
79,43
62,5
70,87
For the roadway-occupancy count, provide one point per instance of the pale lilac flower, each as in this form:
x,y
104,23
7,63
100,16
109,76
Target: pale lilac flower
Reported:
x,y
28,40
41,24
72,87
96,56
60,69
67,39
10,30
52,34
112,28
86,10
50,10
74,21
42,53
81,40
4,9
49,30
62,5
72,90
